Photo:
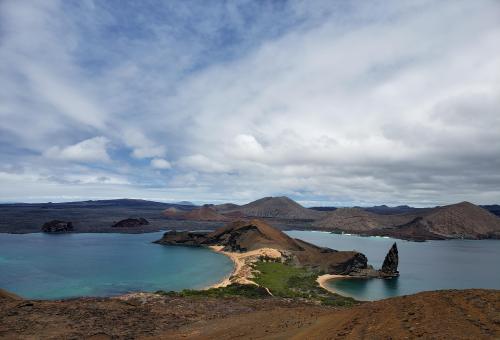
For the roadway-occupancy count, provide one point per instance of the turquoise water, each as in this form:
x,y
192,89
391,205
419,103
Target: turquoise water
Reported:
x,y
431,265
41,266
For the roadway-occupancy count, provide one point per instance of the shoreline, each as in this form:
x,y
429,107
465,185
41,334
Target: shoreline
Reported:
x,y
242,271
323,279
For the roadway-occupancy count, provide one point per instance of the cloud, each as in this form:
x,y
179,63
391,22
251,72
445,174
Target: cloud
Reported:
x,y
202,163
89,150
347,103
160,163
142,147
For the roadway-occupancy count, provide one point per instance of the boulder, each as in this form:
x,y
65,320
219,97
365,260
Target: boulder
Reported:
x,y
56,226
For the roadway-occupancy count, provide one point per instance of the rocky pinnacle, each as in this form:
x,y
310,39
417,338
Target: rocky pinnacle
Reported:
x,y
390,265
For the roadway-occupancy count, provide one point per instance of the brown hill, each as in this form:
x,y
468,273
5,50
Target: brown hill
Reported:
x,y
358,220
277,207
461,220
204,213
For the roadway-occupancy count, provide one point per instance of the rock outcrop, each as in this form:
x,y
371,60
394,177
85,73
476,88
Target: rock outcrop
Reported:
x,y
131,223
57,226
390,265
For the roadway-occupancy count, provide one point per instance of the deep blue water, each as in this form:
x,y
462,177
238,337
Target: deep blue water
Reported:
x,y
42,266
69,265
431,265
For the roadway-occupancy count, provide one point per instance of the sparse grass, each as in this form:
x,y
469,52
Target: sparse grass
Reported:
x,y
249,291
292,282
281,279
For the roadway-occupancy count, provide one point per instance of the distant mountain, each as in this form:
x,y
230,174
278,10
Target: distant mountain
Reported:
x,y
386,210
358,220
323,208
277,207
122,202
226,207
204,213
461,220
184,203
379,209
492,208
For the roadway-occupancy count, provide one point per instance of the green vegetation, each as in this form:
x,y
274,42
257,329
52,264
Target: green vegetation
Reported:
x,y
249,291
281,279
292,282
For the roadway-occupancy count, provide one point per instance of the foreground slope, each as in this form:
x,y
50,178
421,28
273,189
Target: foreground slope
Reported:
x,y
452,314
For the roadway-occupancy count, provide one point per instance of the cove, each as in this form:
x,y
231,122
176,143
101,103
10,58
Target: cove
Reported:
x,y
423,266
47,266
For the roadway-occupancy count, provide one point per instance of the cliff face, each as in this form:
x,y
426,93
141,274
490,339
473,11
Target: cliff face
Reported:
x,y
243,236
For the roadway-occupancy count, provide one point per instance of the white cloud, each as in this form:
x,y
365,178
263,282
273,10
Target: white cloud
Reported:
x,y
89,150
142,147
160,163
202,163
372,102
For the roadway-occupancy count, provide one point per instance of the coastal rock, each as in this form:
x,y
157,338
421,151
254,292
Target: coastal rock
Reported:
x,y
57,226
130,223
390,265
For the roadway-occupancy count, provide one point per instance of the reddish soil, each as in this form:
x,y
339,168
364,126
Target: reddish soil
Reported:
x,y
452,314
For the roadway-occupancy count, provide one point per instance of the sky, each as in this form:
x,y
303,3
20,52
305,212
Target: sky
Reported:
x,y
328,102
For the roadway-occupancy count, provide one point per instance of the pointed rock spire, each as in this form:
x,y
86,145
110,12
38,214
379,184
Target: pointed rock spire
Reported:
x,y
390,265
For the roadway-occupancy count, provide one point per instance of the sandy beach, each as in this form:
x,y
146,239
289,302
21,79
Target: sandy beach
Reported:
x,y
242,272
323,279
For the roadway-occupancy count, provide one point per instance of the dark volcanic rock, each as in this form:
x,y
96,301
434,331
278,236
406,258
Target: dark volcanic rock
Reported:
x,y
56,226
183,238
390,265
131,223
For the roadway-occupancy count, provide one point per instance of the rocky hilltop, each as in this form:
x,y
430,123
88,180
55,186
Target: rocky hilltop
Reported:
x,y
462,220
274,207
247,236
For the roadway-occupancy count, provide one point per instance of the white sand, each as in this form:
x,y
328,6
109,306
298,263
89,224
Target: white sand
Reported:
x,y
242,272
